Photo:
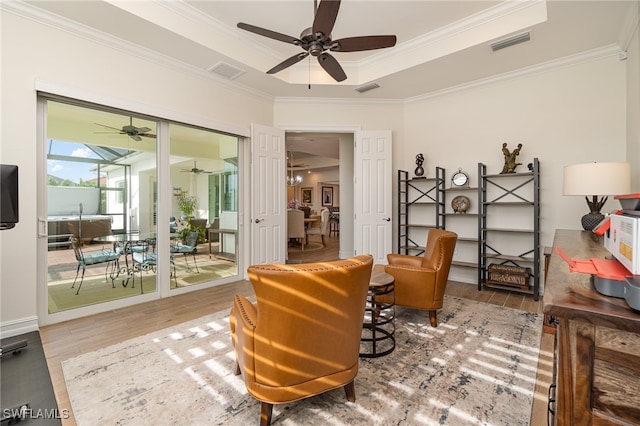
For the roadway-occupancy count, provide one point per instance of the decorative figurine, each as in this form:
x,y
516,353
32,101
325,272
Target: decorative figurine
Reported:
x,y
510,159
419,170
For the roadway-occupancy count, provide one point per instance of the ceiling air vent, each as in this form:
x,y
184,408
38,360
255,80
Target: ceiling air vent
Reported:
x,y
225,70
511,41
367,87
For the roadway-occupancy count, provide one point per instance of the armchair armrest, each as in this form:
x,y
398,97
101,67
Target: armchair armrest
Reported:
x,y
404,259
417,284
243,321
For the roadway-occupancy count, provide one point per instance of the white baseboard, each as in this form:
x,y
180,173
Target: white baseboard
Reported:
x,y
17,327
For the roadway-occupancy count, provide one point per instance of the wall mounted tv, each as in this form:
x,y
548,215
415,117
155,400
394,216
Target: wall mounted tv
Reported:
x,y
8,196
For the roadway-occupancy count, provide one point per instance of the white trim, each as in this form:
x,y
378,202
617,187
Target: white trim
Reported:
x,y
17,327
567,61
136,106
318,128
353,101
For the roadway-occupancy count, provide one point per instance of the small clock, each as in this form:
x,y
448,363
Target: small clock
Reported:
x,y
460,179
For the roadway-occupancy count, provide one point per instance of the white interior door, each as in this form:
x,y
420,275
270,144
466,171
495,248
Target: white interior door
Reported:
x,y
268,205
373,196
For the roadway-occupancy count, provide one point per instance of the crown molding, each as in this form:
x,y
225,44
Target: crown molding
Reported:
x,y
571,60
43,17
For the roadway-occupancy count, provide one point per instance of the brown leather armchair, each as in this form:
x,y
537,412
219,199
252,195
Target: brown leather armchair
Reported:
x,y
421,280
302,338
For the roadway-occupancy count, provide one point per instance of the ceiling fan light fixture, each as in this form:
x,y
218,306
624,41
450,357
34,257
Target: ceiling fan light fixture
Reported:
x,y
367,87
511,41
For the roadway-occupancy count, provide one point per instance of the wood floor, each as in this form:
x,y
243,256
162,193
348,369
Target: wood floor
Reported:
x,y
68,339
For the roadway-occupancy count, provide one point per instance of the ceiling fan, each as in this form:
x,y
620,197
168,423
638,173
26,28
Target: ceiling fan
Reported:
x,y
316,40
195,170
132,131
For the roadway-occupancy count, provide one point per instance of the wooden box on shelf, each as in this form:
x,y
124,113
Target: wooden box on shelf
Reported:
x,y
508,275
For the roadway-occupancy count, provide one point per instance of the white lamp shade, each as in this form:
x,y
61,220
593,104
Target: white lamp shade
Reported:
x,y
597,179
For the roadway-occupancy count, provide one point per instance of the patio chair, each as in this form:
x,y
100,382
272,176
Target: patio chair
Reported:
x,y
145,260
108,257
189,247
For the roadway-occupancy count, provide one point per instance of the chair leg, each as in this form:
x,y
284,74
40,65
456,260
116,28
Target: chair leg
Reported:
x,y
76,279
237,372
265,414
323,244
433,318
350,391
195,263
81,279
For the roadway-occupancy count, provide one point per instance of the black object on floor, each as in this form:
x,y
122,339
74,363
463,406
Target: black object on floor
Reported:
x,y
26,392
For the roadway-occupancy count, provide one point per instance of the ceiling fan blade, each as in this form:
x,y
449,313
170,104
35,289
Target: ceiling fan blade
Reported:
x,y
288,62
358,44
143,129
332,67
108,127
147,135
326,17
135,138
268,33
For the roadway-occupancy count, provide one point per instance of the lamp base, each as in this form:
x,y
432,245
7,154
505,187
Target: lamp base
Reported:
x,y
591,220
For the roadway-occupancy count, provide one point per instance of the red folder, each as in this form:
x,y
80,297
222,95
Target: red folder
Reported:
x,y
604,268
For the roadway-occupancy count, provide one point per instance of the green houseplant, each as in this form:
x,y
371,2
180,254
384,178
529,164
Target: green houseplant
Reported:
x,y
188,204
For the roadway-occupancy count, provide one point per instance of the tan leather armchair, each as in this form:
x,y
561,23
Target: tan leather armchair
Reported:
x,y
302,338
421,280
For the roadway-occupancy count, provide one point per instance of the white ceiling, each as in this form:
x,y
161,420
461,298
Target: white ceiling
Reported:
x,y
441,44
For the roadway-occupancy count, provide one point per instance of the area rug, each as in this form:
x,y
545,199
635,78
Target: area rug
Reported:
x,y
478,367
307,248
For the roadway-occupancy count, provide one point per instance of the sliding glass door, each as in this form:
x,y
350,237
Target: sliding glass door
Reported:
x,y
106,236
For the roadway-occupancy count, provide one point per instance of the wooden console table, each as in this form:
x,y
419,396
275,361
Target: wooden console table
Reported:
x,y
597,341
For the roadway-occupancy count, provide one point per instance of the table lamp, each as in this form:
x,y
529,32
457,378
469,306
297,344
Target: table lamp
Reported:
x,y
596,179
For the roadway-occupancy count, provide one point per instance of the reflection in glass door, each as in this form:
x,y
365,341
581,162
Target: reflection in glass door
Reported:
x,y
101,169
204,193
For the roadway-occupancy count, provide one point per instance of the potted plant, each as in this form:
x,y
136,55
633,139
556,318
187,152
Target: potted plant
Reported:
x,y
188,204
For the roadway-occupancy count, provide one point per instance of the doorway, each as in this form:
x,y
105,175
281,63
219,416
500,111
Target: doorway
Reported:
x,y
319,171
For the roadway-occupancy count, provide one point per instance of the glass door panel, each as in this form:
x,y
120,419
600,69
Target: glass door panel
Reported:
x,y
203,184
101,170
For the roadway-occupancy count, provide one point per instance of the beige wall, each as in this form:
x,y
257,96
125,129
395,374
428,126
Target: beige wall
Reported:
x,y
570,114
95,70
633,109
577,113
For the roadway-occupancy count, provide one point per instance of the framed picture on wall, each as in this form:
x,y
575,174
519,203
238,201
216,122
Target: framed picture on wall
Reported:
x,y
327,196
307,196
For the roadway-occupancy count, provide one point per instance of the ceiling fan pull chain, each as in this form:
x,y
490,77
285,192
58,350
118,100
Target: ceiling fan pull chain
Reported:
x,y
309,72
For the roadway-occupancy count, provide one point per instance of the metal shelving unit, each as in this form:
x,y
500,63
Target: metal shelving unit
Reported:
x,y
454,221
418,200
501,195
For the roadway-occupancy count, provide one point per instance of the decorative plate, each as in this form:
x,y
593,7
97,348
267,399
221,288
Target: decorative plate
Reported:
x,y
460,204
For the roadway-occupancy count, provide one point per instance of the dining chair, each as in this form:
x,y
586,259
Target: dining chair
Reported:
x,y
322,228
295,226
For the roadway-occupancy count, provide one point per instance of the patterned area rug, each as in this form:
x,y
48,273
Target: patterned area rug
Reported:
x,y
477,367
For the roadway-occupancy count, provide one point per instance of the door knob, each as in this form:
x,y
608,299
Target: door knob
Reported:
x,y
259,220
388,219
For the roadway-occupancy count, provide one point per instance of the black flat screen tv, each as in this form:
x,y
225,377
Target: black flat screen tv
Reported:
x,y
8,196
